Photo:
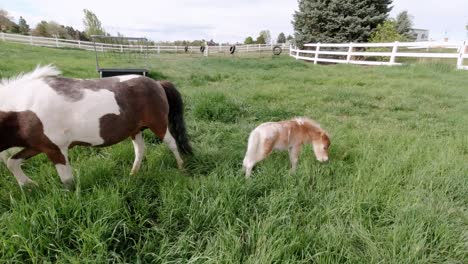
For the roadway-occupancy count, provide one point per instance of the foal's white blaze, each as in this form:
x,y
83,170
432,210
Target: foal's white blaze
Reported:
x,y
58,114
320,152
124,78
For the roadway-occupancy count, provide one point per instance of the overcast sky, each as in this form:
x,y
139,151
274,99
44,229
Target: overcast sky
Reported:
x,y
221,20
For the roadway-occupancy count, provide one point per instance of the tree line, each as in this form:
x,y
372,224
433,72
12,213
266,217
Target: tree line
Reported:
x,y
51,28
264,37
341,21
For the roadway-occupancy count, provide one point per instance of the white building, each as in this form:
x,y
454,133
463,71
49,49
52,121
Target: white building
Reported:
x,y
419,34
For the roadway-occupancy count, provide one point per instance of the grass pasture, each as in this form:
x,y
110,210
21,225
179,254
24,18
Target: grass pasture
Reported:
x,y
395,190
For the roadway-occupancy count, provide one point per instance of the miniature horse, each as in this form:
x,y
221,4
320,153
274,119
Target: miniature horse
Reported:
x,y
44,113
286,135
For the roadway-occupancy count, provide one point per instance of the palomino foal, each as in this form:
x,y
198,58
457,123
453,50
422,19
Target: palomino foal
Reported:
x,y
285,135
41,112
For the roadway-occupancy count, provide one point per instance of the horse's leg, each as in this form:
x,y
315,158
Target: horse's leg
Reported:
x,y
60,158
4,155
14,165
139,146
170,141
294,156
256,152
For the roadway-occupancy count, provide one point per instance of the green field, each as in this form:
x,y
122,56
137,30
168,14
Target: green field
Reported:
x,y
395,190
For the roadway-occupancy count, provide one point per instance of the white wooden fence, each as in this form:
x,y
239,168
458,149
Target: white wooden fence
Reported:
x,y
375,53
156,49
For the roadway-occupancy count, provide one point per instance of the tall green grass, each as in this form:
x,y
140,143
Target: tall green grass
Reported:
x,y
395,190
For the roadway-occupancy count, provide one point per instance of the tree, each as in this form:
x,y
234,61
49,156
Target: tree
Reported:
x,y
281,38
289,38
260,40
6,22
92,24
56,30
404,23
41,29
387,32
338,20
266,36
211,43
249,40
23,26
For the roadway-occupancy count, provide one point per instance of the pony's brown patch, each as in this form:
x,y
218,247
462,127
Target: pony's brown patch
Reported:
x,y
138,97
25,129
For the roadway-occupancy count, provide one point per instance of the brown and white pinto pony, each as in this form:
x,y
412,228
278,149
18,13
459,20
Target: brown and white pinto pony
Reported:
x,y
42,112
286,135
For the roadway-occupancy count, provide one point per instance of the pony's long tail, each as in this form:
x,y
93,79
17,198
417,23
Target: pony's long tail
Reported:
x,y
176,118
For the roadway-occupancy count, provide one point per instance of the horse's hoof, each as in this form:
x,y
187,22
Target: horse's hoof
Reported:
x,y
69,185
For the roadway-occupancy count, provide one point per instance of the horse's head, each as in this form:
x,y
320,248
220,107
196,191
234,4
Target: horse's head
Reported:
x,y
321,145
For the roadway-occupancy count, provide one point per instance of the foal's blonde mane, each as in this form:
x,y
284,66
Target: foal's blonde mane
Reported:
x,y
308,121
39,72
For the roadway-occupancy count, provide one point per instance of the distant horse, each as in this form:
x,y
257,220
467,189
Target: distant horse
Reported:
x,y
286,135
44,113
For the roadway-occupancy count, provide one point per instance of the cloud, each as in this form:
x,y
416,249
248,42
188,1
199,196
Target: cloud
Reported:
x,y
221,20
168,20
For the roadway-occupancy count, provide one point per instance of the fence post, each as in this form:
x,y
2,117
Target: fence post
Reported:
x,y
461,54
259,48
206,50
350,51
317,50
3,36
31,40
56,42
394,52
79,44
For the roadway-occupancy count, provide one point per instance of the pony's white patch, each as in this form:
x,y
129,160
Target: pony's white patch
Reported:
x,y
64,170
124,78
63,121
139,146
6,154
14,165
39,72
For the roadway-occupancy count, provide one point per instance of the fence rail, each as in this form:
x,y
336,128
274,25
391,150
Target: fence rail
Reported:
x,y
153,48
374,53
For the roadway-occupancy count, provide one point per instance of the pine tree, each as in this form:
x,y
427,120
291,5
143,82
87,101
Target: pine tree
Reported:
x,y
281,38
23,26
338,20
404,23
